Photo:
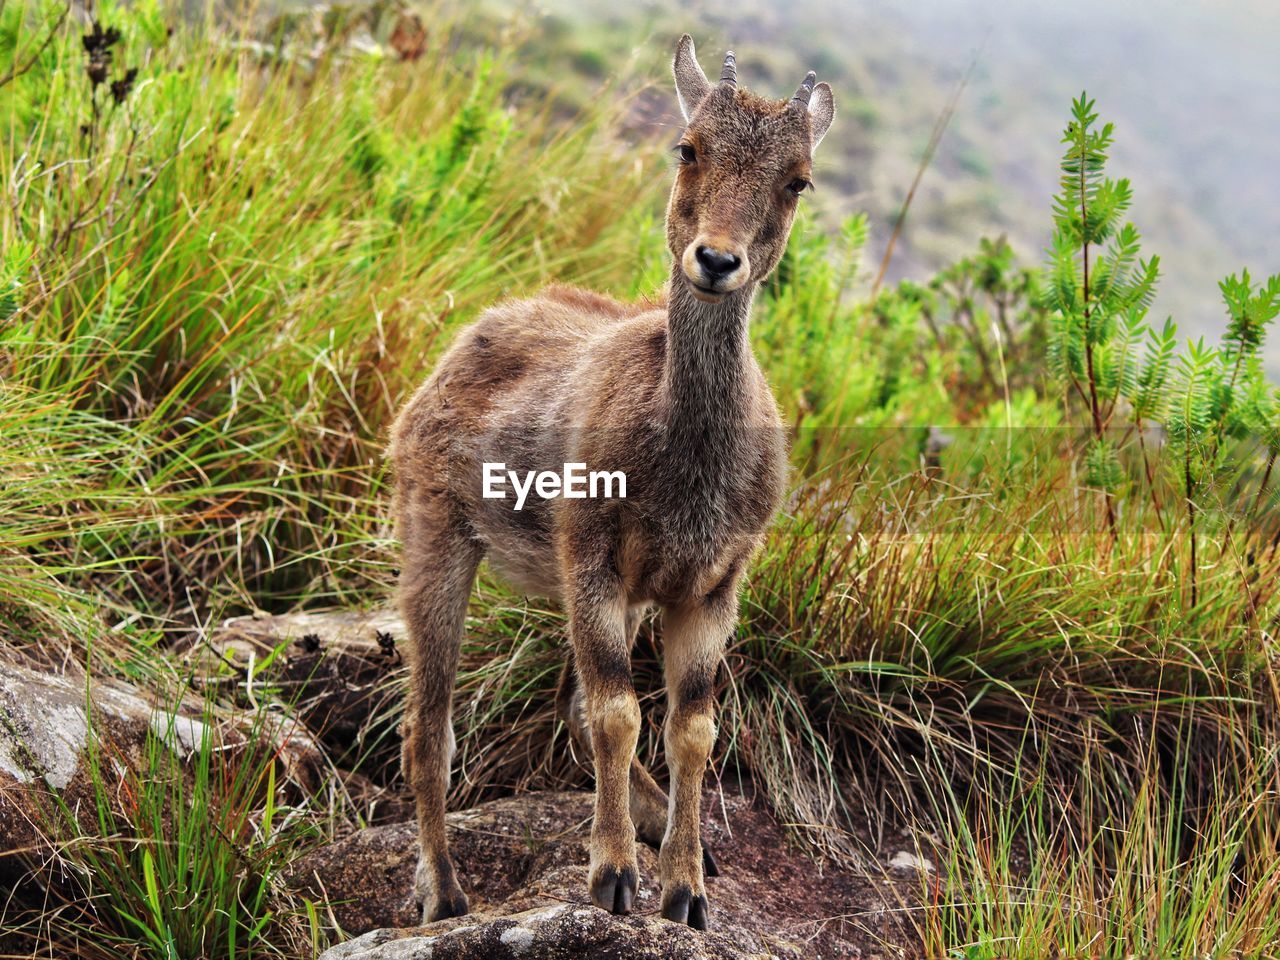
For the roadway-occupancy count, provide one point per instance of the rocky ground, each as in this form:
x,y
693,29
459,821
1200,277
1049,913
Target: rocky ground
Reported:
x,y
521,859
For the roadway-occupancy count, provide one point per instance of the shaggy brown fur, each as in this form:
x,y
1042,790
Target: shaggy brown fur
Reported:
x,y
670,394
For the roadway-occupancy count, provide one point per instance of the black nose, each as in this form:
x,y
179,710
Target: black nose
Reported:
x,y
717,264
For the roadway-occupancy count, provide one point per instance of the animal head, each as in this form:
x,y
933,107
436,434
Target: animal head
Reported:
x,y
744,161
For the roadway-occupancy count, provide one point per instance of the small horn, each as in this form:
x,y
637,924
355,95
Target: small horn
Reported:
x,y
730,72
805,90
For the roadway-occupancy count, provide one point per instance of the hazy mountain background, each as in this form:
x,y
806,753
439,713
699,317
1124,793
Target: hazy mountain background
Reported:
x,y
1193,87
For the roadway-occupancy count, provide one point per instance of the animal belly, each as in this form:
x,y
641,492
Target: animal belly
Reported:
x,y
520,549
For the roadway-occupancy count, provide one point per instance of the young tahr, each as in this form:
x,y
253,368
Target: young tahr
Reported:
x,y
666,393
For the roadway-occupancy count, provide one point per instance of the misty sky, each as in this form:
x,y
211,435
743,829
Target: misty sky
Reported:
x,y
1193,86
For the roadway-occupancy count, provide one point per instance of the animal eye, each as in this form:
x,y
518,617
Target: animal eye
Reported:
x,y
686,153
799,185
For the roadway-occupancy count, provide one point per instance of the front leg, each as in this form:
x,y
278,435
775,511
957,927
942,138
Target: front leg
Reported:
x,y
694,637
649,805
601,649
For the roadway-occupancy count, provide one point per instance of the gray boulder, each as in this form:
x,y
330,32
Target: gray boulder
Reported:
x,y
551,933
50,722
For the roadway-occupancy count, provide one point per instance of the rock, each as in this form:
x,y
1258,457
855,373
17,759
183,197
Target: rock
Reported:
x,y
45,722
341,670
49,722
550,933
508,832
904,862
523,862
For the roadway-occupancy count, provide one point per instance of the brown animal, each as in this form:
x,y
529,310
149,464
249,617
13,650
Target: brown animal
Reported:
x,y
670,395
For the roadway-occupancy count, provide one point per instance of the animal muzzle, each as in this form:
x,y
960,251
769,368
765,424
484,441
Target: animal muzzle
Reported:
x,y
715,266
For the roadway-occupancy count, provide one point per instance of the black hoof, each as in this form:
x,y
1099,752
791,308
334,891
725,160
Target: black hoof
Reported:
x,y
613,889
709,866
454,904
682,906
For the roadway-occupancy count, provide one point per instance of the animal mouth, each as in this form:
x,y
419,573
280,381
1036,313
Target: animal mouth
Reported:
x,y
709,292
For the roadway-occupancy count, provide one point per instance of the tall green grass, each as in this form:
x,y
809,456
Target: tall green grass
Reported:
x,y
178,850
1177,865
219,290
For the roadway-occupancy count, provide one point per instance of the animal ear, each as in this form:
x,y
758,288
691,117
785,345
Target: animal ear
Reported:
x,y
822,110
691,82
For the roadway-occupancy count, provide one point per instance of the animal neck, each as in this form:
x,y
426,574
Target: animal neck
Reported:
x,y
708,361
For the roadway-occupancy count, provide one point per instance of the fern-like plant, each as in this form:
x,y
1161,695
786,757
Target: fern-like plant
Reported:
x,y
1214,403
1098,291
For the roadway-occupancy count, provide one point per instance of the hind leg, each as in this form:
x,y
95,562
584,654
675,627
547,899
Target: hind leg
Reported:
x,y
437,572
648,801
